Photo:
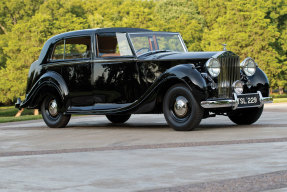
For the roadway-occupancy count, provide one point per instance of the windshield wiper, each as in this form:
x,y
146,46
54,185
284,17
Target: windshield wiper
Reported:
x,y
153,52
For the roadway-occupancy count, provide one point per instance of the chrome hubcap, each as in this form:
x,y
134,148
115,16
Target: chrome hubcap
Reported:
x,y
53,107
180,106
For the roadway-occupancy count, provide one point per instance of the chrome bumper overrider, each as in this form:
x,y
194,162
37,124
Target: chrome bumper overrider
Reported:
x,y
233,102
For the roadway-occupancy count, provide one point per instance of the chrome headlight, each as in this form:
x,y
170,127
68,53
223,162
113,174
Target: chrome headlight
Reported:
x,y
213,67
248,66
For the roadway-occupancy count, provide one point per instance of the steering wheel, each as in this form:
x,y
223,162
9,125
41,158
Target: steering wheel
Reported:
x,y
141,49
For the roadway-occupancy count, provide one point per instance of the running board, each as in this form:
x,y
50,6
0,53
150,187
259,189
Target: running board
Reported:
x,y
97,109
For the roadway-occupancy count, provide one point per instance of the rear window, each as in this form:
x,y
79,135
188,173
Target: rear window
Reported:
x,y
72,48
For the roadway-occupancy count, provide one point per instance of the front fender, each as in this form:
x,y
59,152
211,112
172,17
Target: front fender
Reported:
x,y
184,73
49,79
191,77
259,82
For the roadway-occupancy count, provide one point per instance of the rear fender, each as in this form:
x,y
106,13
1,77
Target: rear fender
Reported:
x,y
49,80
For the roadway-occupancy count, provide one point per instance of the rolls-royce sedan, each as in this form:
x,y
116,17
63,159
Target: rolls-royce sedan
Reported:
x,y
118,72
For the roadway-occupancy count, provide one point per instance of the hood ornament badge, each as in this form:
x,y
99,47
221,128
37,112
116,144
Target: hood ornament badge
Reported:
x,y
224,47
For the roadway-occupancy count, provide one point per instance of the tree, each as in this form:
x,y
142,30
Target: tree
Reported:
x,y
25,42
248,33
255,28
180,16
12,11
118,13
276,11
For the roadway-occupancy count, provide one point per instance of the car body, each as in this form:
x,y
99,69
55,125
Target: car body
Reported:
x,y
122,71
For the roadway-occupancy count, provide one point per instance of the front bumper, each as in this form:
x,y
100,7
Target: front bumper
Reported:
x,y
234,103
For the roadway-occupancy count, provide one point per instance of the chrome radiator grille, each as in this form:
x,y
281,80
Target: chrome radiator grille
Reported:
x,y
230,72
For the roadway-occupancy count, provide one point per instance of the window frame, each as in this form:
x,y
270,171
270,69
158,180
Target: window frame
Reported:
x,y
53,46
111,57
155,32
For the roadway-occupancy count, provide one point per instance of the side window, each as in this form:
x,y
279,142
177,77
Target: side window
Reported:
x,y
58,53
113,45
72,48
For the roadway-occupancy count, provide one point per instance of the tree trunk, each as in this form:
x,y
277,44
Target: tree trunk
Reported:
x,y
36,112
281,91
3,29
19,113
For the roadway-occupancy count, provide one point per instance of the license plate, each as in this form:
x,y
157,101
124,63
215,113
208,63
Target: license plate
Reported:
x,y
248,100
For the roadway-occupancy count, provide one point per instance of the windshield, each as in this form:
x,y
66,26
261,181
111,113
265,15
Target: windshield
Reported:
x,y
156,42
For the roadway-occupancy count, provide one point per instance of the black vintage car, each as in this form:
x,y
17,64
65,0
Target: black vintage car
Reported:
x,y
122,71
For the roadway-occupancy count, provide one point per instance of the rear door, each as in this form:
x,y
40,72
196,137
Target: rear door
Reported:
x,y
72,57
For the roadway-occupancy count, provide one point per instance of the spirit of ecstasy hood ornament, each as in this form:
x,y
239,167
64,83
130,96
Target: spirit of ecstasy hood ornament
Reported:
x,y
224,47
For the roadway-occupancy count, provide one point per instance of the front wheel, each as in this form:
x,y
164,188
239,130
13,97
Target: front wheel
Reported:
x,y
50,113
246,116
181,110
118,118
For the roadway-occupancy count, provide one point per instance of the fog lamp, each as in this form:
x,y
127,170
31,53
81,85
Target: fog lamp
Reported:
x,y
238,87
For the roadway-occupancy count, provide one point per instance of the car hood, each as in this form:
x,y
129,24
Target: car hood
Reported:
x,y
181,56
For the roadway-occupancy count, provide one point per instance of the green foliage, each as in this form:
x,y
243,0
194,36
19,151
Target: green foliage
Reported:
x,y
255,28
118,13
25,41
3,57
276,11
248,33
180,16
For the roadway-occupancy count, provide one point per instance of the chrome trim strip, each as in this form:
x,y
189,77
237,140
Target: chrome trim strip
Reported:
x,y
72,62
236,101
233,102
182,42
152,32
114,60
218,103
261,98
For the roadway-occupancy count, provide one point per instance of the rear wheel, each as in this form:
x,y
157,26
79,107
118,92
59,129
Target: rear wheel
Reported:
x,y
181,110
50,113
246,116
118,118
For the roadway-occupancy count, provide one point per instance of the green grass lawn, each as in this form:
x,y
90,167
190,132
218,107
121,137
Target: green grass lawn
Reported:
x,y
22,118
279,100
7,115
11,111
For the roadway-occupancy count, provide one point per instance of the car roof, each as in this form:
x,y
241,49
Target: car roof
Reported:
x,y
87,32
100,30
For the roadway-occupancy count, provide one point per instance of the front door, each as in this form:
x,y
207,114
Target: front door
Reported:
x,y
115,72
